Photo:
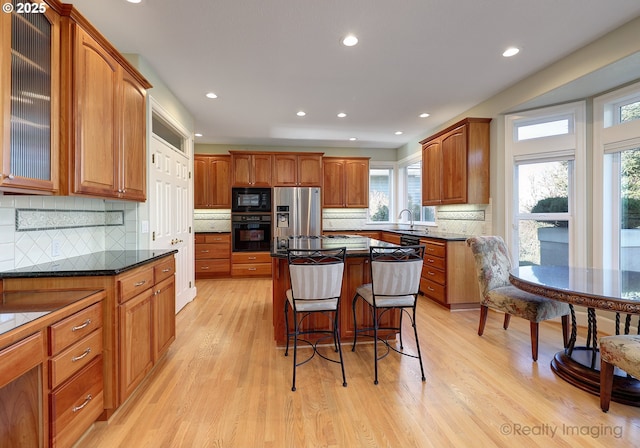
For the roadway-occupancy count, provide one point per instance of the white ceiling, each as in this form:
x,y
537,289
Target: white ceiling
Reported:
x,y
267,59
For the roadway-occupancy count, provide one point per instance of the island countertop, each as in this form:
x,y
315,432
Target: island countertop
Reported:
x,y
357,246
108,262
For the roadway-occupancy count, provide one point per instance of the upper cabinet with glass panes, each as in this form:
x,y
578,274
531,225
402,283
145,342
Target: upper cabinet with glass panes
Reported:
x,y
30,54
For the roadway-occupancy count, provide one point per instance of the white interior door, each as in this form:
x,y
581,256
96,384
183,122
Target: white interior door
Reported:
x,y
170,213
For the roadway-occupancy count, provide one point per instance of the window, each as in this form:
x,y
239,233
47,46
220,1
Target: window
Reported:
x,y
616,202
546,206
380,193
543,212
410,187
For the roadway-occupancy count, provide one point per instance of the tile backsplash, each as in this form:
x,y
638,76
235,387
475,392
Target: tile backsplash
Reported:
x,y
39,229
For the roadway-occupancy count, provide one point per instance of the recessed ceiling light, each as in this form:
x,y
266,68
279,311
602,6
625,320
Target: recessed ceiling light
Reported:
x,y
211,95
198,135
350,40
342,115
425,115
134,1
353,139
301,113
511,51
398,132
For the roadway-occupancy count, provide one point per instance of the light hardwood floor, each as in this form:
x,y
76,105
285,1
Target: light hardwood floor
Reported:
x,y
224,383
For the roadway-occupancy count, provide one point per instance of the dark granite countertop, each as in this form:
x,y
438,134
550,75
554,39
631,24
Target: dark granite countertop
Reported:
x,y
95,264
357,246
421,233
20,308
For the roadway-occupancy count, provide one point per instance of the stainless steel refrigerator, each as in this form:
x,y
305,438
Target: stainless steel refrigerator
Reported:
x,y
297,211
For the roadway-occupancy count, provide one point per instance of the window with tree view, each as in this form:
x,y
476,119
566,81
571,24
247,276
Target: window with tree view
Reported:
x,y
380,194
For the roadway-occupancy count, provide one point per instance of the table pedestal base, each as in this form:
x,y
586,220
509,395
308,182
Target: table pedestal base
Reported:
x,y
574,370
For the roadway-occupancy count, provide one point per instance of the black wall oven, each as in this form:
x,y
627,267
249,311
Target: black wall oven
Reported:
x,y
250,200
251,233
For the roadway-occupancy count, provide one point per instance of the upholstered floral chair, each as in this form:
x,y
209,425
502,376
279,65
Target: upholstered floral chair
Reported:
x,y
493,265
622,351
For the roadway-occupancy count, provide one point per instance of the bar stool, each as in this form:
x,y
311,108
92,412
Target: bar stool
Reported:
x,y
316,284
395,283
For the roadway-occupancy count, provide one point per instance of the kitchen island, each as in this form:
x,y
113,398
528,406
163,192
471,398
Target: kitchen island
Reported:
x,y
356,272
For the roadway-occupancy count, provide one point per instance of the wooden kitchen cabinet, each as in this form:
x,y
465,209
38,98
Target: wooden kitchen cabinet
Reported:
x,y
345,182
213,255
30,102
104,108
251,169
455,164
250,264
147,321
212,185
448,274
297,170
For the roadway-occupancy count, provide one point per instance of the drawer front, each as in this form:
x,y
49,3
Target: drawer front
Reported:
x,y
212,250
73,328
213,266
433,290
21,357
74,358
434,262
164,269
76,405
251,270
218,238
133,284
435,275
251,257
434,249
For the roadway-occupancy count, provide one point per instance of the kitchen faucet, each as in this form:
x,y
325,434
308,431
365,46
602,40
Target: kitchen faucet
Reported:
x,y
410,215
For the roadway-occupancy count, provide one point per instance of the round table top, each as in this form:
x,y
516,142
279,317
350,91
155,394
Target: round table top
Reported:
x,y
594,288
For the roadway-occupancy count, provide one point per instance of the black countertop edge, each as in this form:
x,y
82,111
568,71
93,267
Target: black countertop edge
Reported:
x,y
91,265
418,233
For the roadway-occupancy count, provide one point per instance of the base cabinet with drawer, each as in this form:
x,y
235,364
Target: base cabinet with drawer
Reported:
x,y
147,321
448,274
212,255
75,375
250,264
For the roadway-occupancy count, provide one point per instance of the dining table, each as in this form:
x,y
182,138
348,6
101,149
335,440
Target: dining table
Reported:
x,y
605,293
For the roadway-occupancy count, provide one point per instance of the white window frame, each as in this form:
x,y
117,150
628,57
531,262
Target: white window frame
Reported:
x,y
402,190
557,147
609,136
393,166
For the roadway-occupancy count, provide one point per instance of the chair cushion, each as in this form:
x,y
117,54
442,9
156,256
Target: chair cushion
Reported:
x,y
310,305
384,301
517,302
622,351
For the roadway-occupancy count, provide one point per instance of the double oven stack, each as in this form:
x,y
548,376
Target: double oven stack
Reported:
x,y
251,218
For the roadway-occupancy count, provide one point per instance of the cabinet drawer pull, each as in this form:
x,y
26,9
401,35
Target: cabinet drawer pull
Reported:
x,y
431,273
166,270
218,239
430,288
79,357
204,251
140,283
252,269
86,402
204,268
430,260
80,327
251,258
429,249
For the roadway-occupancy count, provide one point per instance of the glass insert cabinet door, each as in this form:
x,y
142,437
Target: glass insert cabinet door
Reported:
x,y
30,56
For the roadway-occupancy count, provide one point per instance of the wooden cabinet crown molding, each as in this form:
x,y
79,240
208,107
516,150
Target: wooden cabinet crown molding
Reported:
x,y
462,122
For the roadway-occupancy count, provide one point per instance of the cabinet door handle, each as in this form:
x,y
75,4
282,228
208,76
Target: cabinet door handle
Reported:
x,y
79,357
83,325
140,283
86,402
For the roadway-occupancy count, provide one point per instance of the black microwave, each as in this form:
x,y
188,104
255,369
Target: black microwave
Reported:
x,y
254,200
